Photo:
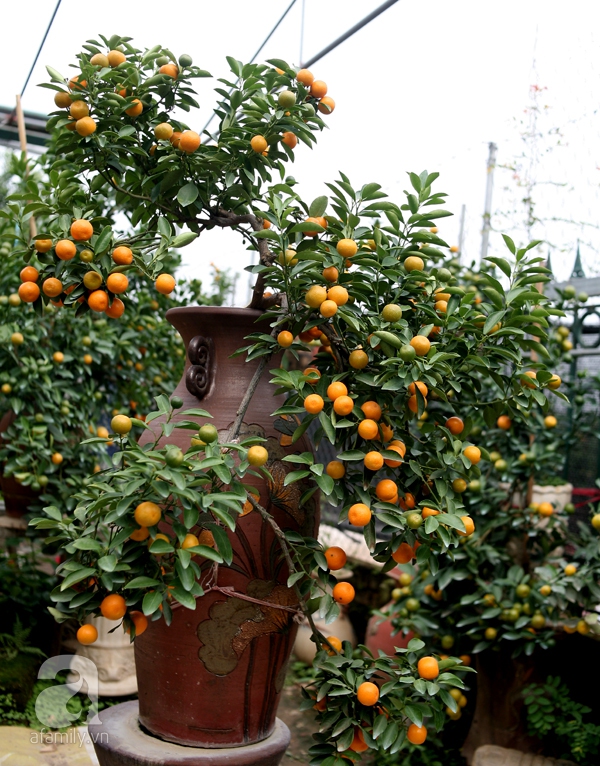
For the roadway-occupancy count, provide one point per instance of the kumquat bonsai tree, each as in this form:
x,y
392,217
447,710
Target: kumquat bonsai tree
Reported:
x,y
355,278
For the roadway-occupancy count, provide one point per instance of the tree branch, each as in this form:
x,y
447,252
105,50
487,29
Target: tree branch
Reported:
x,y
336,341
245,403
319,638
225,219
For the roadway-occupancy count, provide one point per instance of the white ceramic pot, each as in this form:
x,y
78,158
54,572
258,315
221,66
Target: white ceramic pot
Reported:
x,y
559,495
305,649
113,655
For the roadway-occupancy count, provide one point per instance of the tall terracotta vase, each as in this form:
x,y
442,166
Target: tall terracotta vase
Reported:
x,y
214,676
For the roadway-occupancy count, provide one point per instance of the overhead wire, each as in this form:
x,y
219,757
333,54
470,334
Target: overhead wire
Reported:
x,y
253,59
302,14
37,55
373,15
353,30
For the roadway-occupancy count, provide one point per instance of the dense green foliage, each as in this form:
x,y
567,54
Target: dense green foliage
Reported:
x,y
370,279
63,376
560,723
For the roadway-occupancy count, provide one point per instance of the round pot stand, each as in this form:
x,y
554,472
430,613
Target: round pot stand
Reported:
x,y
120,741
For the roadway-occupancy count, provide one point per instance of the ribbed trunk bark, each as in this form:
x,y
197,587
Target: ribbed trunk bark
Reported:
x,y
498,718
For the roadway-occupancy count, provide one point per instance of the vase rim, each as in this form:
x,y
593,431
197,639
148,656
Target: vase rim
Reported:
x,y
246,312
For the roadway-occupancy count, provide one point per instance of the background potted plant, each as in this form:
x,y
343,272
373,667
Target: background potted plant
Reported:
x,y
210,540
529,577
62,378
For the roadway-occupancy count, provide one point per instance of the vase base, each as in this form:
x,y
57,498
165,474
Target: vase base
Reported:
x,y
120,741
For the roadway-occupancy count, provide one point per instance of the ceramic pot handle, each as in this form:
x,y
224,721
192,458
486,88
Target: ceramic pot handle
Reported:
x,y
199,375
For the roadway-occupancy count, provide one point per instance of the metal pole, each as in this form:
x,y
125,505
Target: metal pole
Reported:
x,y
461,233
349,33
487,213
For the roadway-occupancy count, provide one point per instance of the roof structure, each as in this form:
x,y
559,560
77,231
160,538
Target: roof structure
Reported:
x,y
35,125
578,272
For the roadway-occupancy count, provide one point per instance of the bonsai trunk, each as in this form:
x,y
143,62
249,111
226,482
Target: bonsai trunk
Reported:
x,y
498,718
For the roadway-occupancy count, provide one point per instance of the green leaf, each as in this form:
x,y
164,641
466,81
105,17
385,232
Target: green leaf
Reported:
x,y
353,454
318,207
161,546
151,602
326,483
223,473
279,63
431,524
266,234
186,575
54,74
430,215
108,563
59,616
448,700
141,582
492,320
185,599
207,552
295,476
235,65
489,614
389,735
501,263
190,517
327,426
414,713
536,346
307,420
416,468
306,226
369,191
164,227
415,181
480,646
510,245
452,521
196,412
453,305
379,726
77,576
496,298
187,194
53,512
293,578
103,242
183,239
87,544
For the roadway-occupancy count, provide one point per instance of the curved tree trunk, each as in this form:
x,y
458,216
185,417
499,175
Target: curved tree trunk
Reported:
x,y
498,716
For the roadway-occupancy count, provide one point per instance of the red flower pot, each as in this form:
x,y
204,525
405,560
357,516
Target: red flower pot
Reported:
x,y
214,676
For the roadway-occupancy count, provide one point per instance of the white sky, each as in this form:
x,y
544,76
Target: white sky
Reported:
x,y
425,85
